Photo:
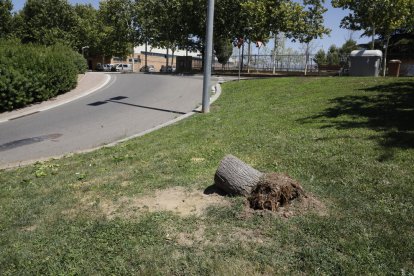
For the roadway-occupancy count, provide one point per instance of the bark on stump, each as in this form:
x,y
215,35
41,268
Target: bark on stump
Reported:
x,y
236,177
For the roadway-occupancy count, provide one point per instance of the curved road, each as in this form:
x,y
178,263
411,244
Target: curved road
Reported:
x,y
129,104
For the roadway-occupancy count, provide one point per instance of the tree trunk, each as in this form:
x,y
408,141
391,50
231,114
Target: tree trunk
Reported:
x,y
306,58
236,177
146,55
385,56
274,54
373,38
166,56
172,58
241,65
248,57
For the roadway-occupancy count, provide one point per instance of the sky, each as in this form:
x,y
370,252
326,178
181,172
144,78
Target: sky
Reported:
x,y
332,20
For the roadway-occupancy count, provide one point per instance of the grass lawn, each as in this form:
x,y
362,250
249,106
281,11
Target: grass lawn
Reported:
x,y
348,141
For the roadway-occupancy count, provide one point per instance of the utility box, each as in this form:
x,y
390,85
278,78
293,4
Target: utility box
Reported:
x,y
184,64
365,63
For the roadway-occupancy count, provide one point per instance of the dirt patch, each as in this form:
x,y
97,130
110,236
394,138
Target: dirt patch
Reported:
x,y
189,239
178,200
30,228
248,235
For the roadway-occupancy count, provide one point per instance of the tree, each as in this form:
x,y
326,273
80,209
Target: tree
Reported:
x,y
362,17
118,35
181,23
320,57
333,56
161,23
307,24
255,18
402,43
345,51
383,17
88,30
279,41
349,46
223,49
48,22
6,18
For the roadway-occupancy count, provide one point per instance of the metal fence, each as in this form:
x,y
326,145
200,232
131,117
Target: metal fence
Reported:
x,y
265,63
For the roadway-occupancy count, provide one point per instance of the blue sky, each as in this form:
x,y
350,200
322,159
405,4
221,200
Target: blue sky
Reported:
x,y
338,36
332,20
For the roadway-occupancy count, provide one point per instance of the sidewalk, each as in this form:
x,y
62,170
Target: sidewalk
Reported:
x,y
87,84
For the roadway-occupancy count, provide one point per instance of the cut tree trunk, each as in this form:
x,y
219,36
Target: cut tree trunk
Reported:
x,y
236,177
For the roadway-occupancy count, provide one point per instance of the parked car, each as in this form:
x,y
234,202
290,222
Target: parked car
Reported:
x,y
167,69
107,67
148,68
123,67
99,67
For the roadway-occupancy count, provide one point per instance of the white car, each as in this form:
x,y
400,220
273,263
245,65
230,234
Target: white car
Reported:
x,y
169,69
123,67
148,68
107,67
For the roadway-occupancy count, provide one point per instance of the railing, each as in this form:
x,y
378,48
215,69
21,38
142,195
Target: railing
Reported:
x,y
265,63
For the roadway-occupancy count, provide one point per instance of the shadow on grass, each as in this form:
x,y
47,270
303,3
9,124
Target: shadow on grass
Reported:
x,y
388,110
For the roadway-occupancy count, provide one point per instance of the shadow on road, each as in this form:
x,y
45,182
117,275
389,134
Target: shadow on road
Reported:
x,y
118,98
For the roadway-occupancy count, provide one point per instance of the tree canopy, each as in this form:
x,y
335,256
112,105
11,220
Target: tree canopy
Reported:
x,y
6,18
48,22
223,50
383,17
118,25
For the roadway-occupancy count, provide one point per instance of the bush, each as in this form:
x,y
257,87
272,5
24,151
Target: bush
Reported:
x,y
33,73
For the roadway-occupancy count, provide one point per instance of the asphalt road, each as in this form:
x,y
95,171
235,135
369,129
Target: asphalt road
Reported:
x,y
129,104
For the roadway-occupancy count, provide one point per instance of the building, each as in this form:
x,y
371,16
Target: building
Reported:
x,y
156,57
152,55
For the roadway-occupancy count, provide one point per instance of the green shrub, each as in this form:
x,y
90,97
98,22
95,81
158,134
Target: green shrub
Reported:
x,y
33,73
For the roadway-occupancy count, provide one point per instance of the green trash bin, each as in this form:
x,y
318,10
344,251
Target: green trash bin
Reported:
x,y
394,68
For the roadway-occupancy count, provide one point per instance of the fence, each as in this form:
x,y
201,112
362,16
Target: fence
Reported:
x,y
265,63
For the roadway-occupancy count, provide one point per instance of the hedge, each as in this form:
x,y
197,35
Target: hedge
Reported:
x,y
33,73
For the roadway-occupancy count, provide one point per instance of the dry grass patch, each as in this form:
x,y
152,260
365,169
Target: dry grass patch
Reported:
x,y
199,237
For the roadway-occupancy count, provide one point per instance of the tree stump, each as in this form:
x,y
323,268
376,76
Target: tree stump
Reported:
x,y
236,177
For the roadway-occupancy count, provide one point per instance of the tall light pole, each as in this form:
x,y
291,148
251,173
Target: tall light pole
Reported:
x,y
83,50
208,56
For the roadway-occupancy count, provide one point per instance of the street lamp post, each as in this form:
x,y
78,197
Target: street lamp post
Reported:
x,y
208,56
83,50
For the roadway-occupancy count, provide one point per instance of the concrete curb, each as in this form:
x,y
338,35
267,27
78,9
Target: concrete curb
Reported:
x,y
58,101
217,93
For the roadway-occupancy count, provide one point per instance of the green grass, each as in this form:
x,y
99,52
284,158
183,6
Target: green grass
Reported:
x,y
349,141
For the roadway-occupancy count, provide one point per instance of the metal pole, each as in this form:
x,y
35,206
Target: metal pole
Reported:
x,y
249,58
242,57
208,56
274,55
239,64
